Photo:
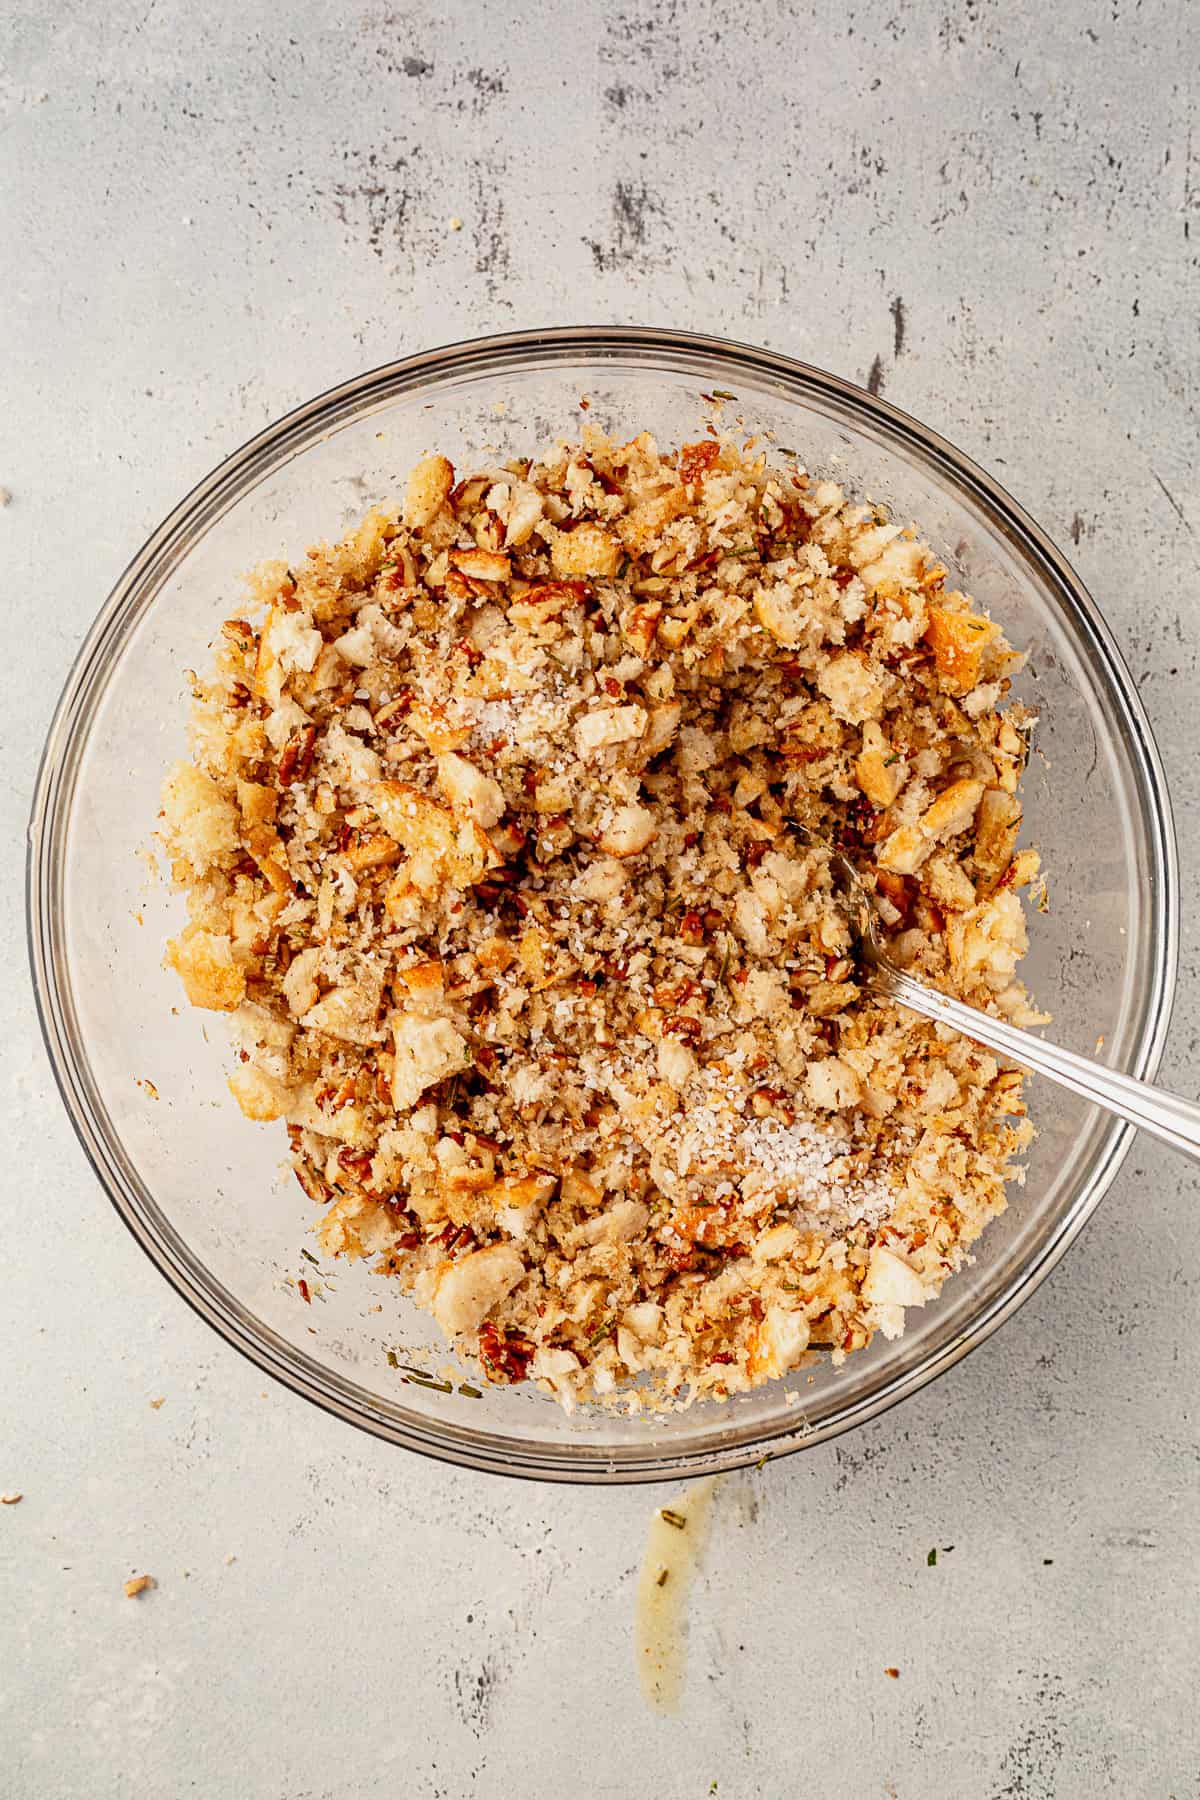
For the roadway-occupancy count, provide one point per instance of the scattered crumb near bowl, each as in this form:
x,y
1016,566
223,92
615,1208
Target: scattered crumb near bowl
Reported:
x,y
139,1584
160,1401
11,1499
894,1674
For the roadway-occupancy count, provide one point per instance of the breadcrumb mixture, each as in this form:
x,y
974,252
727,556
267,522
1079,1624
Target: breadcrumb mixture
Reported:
x,y
504,848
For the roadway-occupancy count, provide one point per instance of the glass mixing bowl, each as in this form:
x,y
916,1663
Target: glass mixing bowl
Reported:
x,y
201,1188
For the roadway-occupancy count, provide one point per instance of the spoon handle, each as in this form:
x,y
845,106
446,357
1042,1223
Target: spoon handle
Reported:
x,y
1167,1116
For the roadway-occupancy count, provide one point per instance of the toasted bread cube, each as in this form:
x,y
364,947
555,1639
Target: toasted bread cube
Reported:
x,y
605,725
553,795
675,629
481,565
531,952
661,728
266,847
960,642
375,852
257,802
519,1190
348,1124
585,550
618,1223
949,886
428,490
676,1064
890,1281
251,919
204,962
852,689
261,1096
200,826
905,850
427,1051
299,985
349,1014
832,1084
879,772
778,1343
870,543
953,811
628,830
425,981
438,729
468,1289
898,567
778,610
643,525
525,508
494,955
442,850
987,943
996,827
471,793
518,1199
357,1226
578,1189
1025,867
777,1242
289,644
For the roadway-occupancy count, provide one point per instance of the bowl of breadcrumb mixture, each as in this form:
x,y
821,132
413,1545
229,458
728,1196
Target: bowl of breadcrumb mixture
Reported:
x,y
497,857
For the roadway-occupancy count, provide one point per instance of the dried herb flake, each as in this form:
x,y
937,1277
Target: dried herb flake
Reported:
x,y
438,1387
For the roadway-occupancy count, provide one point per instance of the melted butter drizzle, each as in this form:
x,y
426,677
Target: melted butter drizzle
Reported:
x,y
673,1551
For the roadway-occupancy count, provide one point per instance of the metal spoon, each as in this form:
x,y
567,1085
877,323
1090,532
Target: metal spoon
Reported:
x,y
1167,1116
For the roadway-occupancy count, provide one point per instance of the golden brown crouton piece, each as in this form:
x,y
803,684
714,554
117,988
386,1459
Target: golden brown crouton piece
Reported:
x,y
428,490
204,962
996,829
959,641
585,550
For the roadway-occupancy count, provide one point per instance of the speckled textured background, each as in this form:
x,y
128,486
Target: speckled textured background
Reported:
x,y
210,213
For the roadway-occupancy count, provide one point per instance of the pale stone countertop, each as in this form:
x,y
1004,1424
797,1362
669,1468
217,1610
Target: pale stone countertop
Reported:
x,y
211,213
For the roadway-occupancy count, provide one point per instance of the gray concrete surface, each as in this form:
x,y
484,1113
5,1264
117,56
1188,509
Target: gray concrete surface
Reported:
x,y
210,213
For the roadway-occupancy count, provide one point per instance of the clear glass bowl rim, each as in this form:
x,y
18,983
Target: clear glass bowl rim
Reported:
x,y
135,591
